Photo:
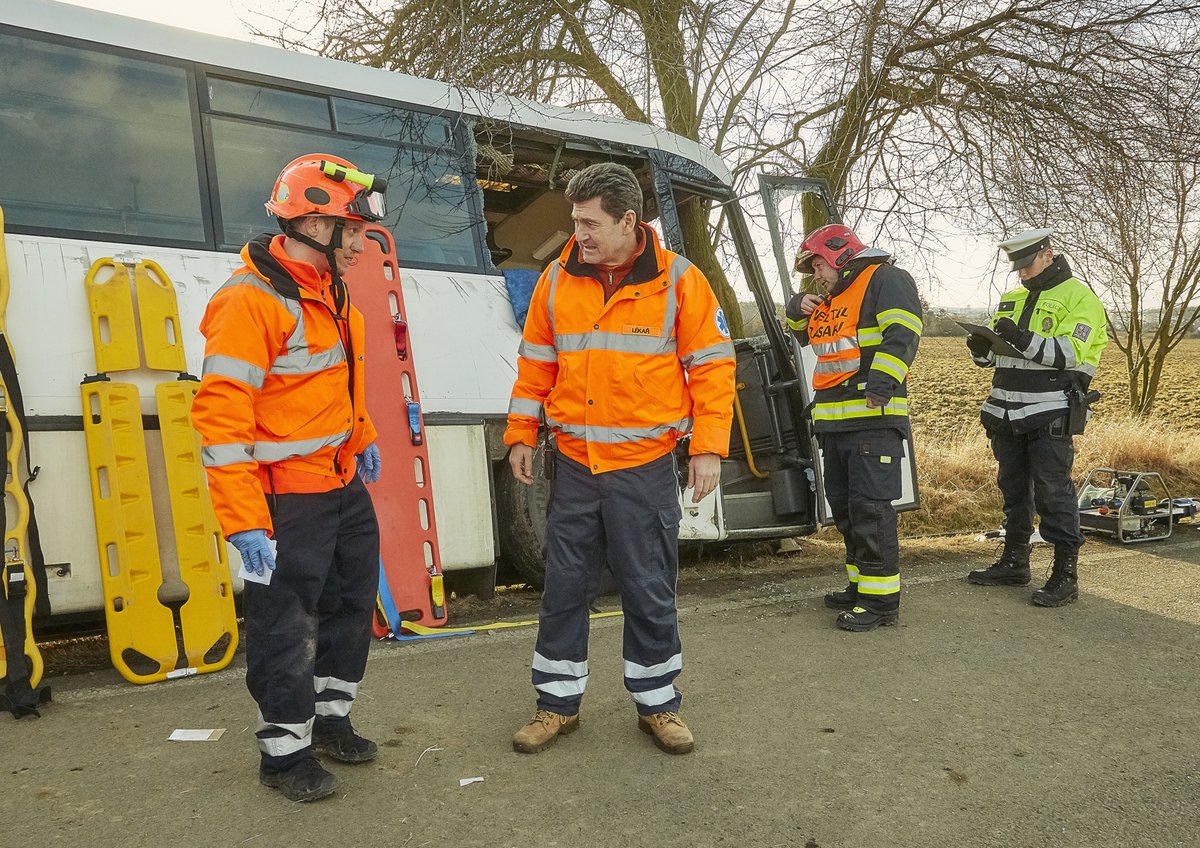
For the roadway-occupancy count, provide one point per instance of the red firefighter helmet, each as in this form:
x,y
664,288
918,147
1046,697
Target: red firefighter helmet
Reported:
x,y
835,243
320,184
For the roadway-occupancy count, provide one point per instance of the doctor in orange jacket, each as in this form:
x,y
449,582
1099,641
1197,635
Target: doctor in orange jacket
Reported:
x,y
625,351
287,447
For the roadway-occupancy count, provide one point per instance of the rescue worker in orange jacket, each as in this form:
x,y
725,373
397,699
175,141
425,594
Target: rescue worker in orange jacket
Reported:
x,y
288,446
865,329
625,351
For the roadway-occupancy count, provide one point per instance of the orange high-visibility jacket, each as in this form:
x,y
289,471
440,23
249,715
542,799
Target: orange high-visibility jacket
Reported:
x,y
281,403
620,381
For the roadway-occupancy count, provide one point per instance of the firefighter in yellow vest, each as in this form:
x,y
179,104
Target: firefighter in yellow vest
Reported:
x,y
864,330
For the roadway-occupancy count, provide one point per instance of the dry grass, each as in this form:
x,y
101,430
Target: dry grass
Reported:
x,y
955,466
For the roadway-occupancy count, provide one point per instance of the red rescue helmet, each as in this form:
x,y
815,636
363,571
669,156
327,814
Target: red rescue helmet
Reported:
x,y
319,184
835,243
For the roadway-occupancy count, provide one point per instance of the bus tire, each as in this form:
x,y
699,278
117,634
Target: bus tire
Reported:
x,y
521,513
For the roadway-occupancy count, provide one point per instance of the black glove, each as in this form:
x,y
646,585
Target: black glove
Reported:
x,y
793,308
978,345
1007,330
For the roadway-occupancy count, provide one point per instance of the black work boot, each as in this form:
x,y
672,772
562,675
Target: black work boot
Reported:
x,y
306,780
1012,569
861,619
844,599
1063,585
339,741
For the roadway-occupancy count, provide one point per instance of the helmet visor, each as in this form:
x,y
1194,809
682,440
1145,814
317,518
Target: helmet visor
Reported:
x,y
368,205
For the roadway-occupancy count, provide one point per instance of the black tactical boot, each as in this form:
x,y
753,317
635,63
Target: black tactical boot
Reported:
x,y
844,599
1063,585
339,741
1012,569
307,780
861,619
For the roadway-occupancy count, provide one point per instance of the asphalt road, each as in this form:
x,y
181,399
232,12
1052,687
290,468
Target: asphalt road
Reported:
x,y
980,721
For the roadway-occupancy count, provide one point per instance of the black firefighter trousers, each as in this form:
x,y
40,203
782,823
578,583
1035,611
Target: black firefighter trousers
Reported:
x,y
309,631
628,518
863,475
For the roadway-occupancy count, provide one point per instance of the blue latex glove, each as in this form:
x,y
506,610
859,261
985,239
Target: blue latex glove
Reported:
x,y
256,553
369,464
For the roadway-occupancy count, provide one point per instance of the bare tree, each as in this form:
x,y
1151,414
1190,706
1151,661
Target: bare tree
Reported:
x,y
899,104
1130,219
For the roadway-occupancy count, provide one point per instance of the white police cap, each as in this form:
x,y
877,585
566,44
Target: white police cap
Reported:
x,y
1022,247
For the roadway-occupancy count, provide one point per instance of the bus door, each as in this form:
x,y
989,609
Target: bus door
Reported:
x,y
794,207
767,483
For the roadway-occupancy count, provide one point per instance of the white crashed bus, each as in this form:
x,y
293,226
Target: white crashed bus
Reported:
x,y
124,138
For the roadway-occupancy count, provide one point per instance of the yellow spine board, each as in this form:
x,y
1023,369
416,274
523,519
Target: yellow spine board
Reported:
x,y
208,614
130,570
158,312
114,332
15,538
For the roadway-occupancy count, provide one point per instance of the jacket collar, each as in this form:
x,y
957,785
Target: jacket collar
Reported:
x,y
1057,272
648,265
266,257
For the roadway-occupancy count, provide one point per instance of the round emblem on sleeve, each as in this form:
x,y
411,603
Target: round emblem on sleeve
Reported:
x,y
722,324
1047,324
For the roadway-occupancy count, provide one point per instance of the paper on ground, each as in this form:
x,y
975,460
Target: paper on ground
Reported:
x,y
181,735
467,781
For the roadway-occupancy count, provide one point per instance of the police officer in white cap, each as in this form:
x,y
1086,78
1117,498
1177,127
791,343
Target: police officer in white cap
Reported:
x,y
1055,329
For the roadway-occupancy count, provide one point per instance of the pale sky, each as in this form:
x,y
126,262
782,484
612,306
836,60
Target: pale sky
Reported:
x,y
963,270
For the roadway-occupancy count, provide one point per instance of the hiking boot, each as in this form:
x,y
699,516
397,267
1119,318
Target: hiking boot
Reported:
x,y
343,744
1012,569
843,600
542,731
861,619
1063,585
669,732
307,780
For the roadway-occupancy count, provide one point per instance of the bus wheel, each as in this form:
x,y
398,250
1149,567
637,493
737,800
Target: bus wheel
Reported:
x,y
521,512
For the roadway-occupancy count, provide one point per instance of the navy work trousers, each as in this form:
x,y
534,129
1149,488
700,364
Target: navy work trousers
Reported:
x,y
862,476
629,519
1035,472
309,631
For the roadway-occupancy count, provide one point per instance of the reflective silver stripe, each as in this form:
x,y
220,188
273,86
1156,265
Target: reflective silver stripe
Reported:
x,y
869,336
679,267
218,365
334,696
903,317
837,366
554,269
563,688
722,350
893,366
1068,350
868,585
858,409
1026,365
634,671
308,363
294,738
619,342
654,697
1027,397
836,346
525,406
564,667
617,435
1035,409
277,451
536,352
215,456
255,281
852,572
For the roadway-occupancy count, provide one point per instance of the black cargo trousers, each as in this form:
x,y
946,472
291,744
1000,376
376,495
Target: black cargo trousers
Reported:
x,y
1035,473
862,476
309,631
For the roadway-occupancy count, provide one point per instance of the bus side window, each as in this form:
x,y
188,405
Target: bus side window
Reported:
x,y
96,143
